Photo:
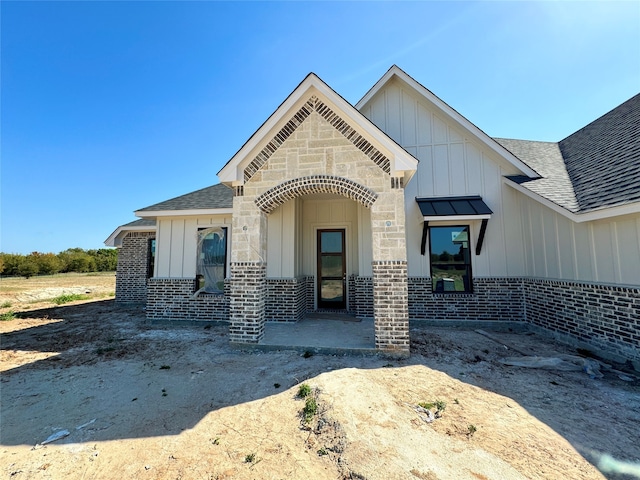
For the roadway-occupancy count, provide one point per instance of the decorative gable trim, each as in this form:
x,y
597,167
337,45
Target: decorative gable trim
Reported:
x,y
280,194
314,104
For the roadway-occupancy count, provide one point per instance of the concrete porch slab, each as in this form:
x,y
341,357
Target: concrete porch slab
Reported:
x,y
322,334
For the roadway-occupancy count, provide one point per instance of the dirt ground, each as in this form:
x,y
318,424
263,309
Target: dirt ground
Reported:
x,y
160,402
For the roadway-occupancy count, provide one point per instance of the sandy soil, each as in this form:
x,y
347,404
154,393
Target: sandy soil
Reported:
x,y
158,402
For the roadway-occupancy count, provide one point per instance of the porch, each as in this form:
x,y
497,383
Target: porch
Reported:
x,y
327,333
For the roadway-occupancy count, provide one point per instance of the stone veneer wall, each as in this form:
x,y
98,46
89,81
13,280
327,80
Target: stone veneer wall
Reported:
x,y
172,299
492,299
390,305
605,316
286,299
131,272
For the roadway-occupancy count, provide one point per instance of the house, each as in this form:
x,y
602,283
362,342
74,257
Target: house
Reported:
x,y
400,209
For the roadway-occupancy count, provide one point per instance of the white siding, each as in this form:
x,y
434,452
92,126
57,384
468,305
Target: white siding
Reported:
x,y
605,251
523,236
331,213
451,163
176,244
281,245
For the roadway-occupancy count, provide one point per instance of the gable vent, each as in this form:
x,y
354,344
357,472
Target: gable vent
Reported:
x,y
314,104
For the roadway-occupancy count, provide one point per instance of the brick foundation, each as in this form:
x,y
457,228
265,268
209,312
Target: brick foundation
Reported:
x,y
604,316
390,305
247,301
131,273
172,299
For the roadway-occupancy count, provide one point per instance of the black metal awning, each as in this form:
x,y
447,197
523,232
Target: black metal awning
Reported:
x,y
471,206
454,208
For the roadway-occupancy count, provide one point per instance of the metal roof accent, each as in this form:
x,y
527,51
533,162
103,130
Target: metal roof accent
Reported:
x,y
466,206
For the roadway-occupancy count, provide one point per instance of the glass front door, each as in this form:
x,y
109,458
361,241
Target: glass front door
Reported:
x,y
331,269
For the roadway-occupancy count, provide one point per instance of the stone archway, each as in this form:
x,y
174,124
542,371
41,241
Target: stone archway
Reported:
x,y
278,195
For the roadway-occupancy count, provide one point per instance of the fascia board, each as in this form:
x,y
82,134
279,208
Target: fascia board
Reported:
x,y
604,213
184,213
230,172
112,241
453,218
451,113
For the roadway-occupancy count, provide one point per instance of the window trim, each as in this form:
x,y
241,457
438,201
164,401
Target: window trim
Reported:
x,y
468,264
198,277
151,257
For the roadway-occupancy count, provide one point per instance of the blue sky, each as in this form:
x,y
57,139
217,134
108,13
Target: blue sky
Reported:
x,y
108,107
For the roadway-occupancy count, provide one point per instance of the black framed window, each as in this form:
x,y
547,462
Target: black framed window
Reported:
x,y
211,264
151,257
450,259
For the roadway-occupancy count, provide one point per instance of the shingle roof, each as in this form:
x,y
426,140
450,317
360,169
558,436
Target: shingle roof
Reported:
x,y
546,159
598,166
143,222
216,196
603,158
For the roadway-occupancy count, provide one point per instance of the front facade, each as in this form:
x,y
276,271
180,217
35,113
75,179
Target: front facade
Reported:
x,y
399,209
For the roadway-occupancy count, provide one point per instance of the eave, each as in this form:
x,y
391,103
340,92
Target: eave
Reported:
x,y
599,214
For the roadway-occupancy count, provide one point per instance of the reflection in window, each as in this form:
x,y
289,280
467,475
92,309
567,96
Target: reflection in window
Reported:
x,y
212,260
450,259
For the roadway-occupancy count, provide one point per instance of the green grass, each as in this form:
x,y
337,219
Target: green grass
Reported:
x,y
5,305
72,297
310,409
304,390
6,316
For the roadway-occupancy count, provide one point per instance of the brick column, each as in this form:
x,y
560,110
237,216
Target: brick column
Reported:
x,y
389,269
247,301
131,272
390,305
248,272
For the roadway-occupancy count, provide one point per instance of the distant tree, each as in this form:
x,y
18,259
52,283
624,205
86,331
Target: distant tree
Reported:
x,y
12,263
77,260
48,263
28,267
106,259
445,256
1,263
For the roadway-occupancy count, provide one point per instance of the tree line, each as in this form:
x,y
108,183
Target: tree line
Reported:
x,y
71,260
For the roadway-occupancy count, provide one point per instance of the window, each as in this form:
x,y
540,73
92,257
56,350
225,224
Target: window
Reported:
x,y
450,259
212,260
151,256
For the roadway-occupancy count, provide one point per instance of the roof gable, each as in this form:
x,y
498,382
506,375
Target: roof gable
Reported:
x,y
396,73
313,95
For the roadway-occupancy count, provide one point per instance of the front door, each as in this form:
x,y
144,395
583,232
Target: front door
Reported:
x,y
331,269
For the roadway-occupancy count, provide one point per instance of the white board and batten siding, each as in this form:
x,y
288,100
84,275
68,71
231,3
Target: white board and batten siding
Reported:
x,y
177,243
292,230
524,237
452,163
603,251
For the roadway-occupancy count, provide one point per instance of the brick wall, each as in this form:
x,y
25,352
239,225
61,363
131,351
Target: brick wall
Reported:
x,y
605,316
493,299
131,273
361,296
286,299
172,299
